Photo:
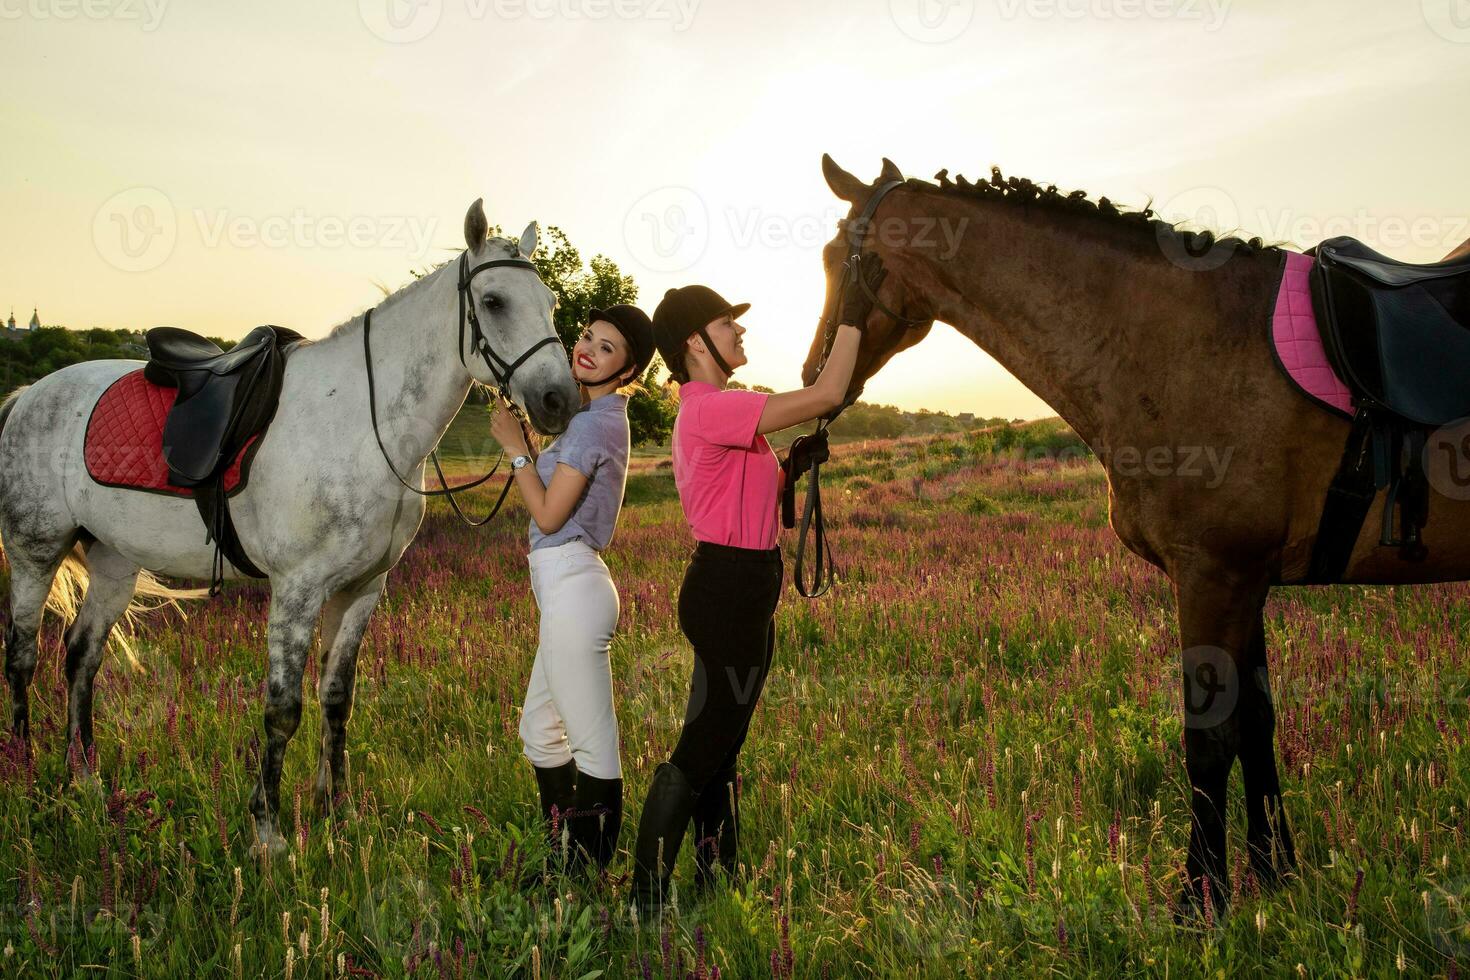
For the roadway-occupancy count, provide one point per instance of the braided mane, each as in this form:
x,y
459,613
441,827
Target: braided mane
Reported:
x,y
1023,191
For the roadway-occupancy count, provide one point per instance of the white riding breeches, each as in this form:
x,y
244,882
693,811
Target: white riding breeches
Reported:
x,y
568,713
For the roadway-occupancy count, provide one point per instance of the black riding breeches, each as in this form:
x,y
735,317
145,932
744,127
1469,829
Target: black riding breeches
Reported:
x,y
727,610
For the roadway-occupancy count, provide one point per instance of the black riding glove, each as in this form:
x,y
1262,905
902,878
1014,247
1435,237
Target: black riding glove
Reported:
x,y
862,286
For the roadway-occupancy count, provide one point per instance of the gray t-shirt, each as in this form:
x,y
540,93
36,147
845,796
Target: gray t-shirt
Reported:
x,y
595,444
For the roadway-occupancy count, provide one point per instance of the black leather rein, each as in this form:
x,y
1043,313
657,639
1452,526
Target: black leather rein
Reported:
x,y
809,452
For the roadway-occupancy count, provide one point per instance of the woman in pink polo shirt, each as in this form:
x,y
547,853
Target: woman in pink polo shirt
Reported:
x,y
729,484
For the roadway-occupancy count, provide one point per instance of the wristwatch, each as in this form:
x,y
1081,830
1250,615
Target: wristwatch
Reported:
x,y
519,461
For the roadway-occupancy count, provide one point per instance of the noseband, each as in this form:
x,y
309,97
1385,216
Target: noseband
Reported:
x,y
809,452
500,369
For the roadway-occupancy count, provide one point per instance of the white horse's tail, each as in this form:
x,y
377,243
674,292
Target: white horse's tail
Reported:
x,y
70,584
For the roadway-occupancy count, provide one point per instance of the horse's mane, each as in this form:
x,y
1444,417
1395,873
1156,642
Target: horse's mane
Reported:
x,y
510,247
1019,190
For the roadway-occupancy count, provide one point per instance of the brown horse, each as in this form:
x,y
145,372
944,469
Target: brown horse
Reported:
x,y
1153,344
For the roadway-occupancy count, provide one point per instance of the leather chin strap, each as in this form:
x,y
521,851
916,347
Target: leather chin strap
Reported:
x,y
714,352
615,374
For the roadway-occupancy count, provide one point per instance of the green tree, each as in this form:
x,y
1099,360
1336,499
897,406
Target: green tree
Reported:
x,y
581,287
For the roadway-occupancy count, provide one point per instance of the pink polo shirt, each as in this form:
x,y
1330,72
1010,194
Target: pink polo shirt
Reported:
x,y
728,478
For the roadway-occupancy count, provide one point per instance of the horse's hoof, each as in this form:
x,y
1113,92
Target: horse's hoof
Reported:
x,y
270,843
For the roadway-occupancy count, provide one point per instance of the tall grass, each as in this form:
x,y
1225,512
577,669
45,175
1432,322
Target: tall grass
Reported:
x,y
967,761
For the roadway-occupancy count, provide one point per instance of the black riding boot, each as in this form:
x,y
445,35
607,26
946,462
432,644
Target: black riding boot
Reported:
x,y
558,786
716,828
666,814
598,818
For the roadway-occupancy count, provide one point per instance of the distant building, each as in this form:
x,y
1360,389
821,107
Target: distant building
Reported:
x,y
15,333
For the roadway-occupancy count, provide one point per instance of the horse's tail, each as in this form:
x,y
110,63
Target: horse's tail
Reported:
x,y
9,403
149,594
70,584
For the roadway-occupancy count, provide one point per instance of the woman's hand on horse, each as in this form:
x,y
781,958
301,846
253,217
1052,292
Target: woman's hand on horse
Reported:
x,y
509,431
862,286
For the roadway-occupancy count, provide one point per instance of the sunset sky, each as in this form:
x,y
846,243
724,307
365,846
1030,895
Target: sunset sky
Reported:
x,y
218,165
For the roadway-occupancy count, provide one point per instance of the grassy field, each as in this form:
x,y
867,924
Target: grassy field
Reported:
x,y
967,762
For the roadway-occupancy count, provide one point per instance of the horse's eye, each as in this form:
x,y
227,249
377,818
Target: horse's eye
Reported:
x,y
491,302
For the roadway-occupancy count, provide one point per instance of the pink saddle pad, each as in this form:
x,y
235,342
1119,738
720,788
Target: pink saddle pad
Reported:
x,y
1298,340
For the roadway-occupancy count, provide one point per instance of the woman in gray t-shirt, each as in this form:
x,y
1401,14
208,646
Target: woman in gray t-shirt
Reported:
x,y
573,492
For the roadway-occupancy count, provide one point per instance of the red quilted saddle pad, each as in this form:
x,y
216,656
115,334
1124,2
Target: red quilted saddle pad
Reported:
x,y
124,445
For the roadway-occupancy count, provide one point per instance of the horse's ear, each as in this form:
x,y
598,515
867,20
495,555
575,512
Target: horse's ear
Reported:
x,y
890,171
528,239
476,227
843,184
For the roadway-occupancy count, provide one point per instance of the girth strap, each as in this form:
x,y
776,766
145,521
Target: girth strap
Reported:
x,y
1383,452
214,508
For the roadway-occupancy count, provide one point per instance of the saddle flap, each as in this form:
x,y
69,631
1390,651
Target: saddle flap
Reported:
x,y
1381,270
195,434
1423,357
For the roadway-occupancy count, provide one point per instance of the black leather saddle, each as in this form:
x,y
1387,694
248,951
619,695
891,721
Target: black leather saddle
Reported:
x,y
224,399
1399,334
1399,337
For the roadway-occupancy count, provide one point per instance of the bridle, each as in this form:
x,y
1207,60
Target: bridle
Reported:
x,y
500,369
856,232
808,452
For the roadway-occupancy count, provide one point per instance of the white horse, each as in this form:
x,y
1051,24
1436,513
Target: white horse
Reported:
x,y
322,514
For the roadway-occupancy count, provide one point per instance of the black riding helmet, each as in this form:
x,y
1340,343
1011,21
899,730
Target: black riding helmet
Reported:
x,y
686,311
636,329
